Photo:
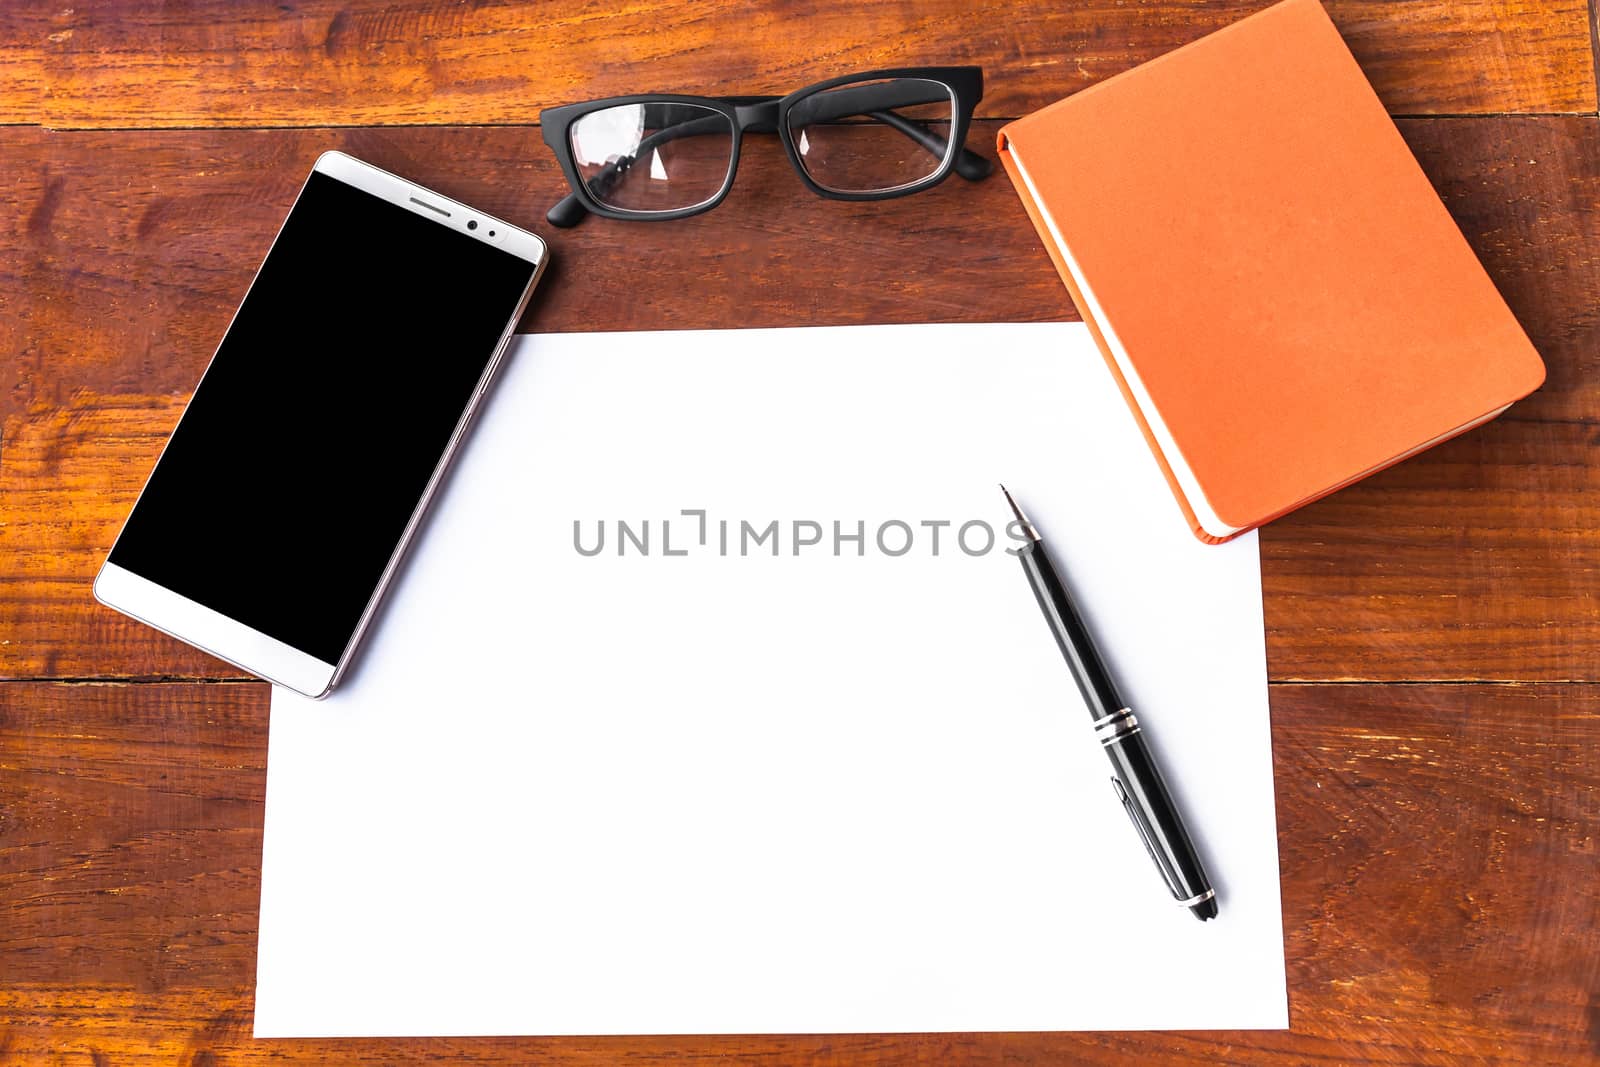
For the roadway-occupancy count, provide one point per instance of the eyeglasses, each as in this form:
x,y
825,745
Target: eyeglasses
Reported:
x,y
869,136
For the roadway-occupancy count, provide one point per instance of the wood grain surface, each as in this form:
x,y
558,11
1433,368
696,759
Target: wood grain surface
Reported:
x,y
336,62
1432,632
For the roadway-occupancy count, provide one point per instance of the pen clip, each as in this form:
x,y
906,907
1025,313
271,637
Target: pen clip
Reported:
x,y
1157,856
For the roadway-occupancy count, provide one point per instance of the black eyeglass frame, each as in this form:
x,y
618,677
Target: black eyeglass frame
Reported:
x,y
766,114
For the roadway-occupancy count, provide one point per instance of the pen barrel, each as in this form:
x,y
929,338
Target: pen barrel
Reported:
x,y
1138,780
1142,789
1061,614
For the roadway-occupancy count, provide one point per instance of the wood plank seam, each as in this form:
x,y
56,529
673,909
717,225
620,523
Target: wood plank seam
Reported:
x,y
45,127
1272,683
1594,47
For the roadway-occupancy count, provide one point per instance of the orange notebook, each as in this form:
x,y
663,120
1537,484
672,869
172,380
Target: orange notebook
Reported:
x,y
1280,293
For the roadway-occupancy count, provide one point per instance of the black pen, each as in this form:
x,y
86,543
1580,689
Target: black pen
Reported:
x,y
1137,780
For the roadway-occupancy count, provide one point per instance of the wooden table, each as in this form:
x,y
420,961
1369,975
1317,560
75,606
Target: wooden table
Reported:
x,y
1431,633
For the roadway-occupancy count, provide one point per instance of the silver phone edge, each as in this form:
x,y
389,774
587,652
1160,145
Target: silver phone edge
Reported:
x,y
354,643
423,502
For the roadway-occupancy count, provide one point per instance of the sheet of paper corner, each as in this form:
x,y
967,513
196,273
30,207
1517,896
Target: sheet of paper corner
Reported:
x,y
568,794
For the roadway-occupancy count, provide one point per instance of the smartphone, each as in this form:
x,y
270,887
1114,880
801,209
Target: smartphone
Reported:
x,y
284,498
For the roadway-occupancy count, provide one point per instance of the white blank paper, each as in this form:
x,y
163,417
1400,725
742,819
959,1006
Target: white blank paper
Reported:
x,y
720,793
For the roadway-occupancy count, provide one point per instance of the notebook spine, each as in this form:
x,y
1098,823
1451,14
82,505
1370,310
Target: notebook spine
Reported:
x,y
1078,301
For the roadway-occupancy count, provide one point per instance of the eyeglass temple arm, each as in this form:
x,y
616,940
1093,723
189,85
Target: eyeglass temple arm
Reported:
x,y
878,101
871,100
969,164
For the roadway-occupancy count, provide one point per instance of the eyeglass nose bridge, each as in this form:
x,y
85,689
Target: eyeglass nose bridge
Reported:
x,y
756,114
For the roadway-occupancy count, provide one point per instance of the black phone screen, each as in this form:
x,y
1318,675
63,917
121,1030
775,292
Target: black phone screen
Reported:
x,y
296,467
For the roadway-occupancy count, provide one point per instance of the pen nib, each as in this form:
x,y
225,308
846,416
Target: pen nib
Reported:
x,y
1027,527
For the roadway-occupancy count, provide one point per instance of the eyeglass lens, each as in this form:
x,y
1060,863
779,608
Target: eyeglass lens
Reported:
x,y
874,136
653,157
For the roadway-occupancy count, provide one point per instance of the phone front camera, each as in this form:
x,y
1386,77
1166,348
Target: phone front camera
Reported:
x,y
472,224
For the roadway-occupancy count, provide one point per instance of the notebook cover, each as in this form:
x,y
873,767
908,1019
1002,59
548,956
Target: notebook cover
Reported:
x,y
1099,339
1293,297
